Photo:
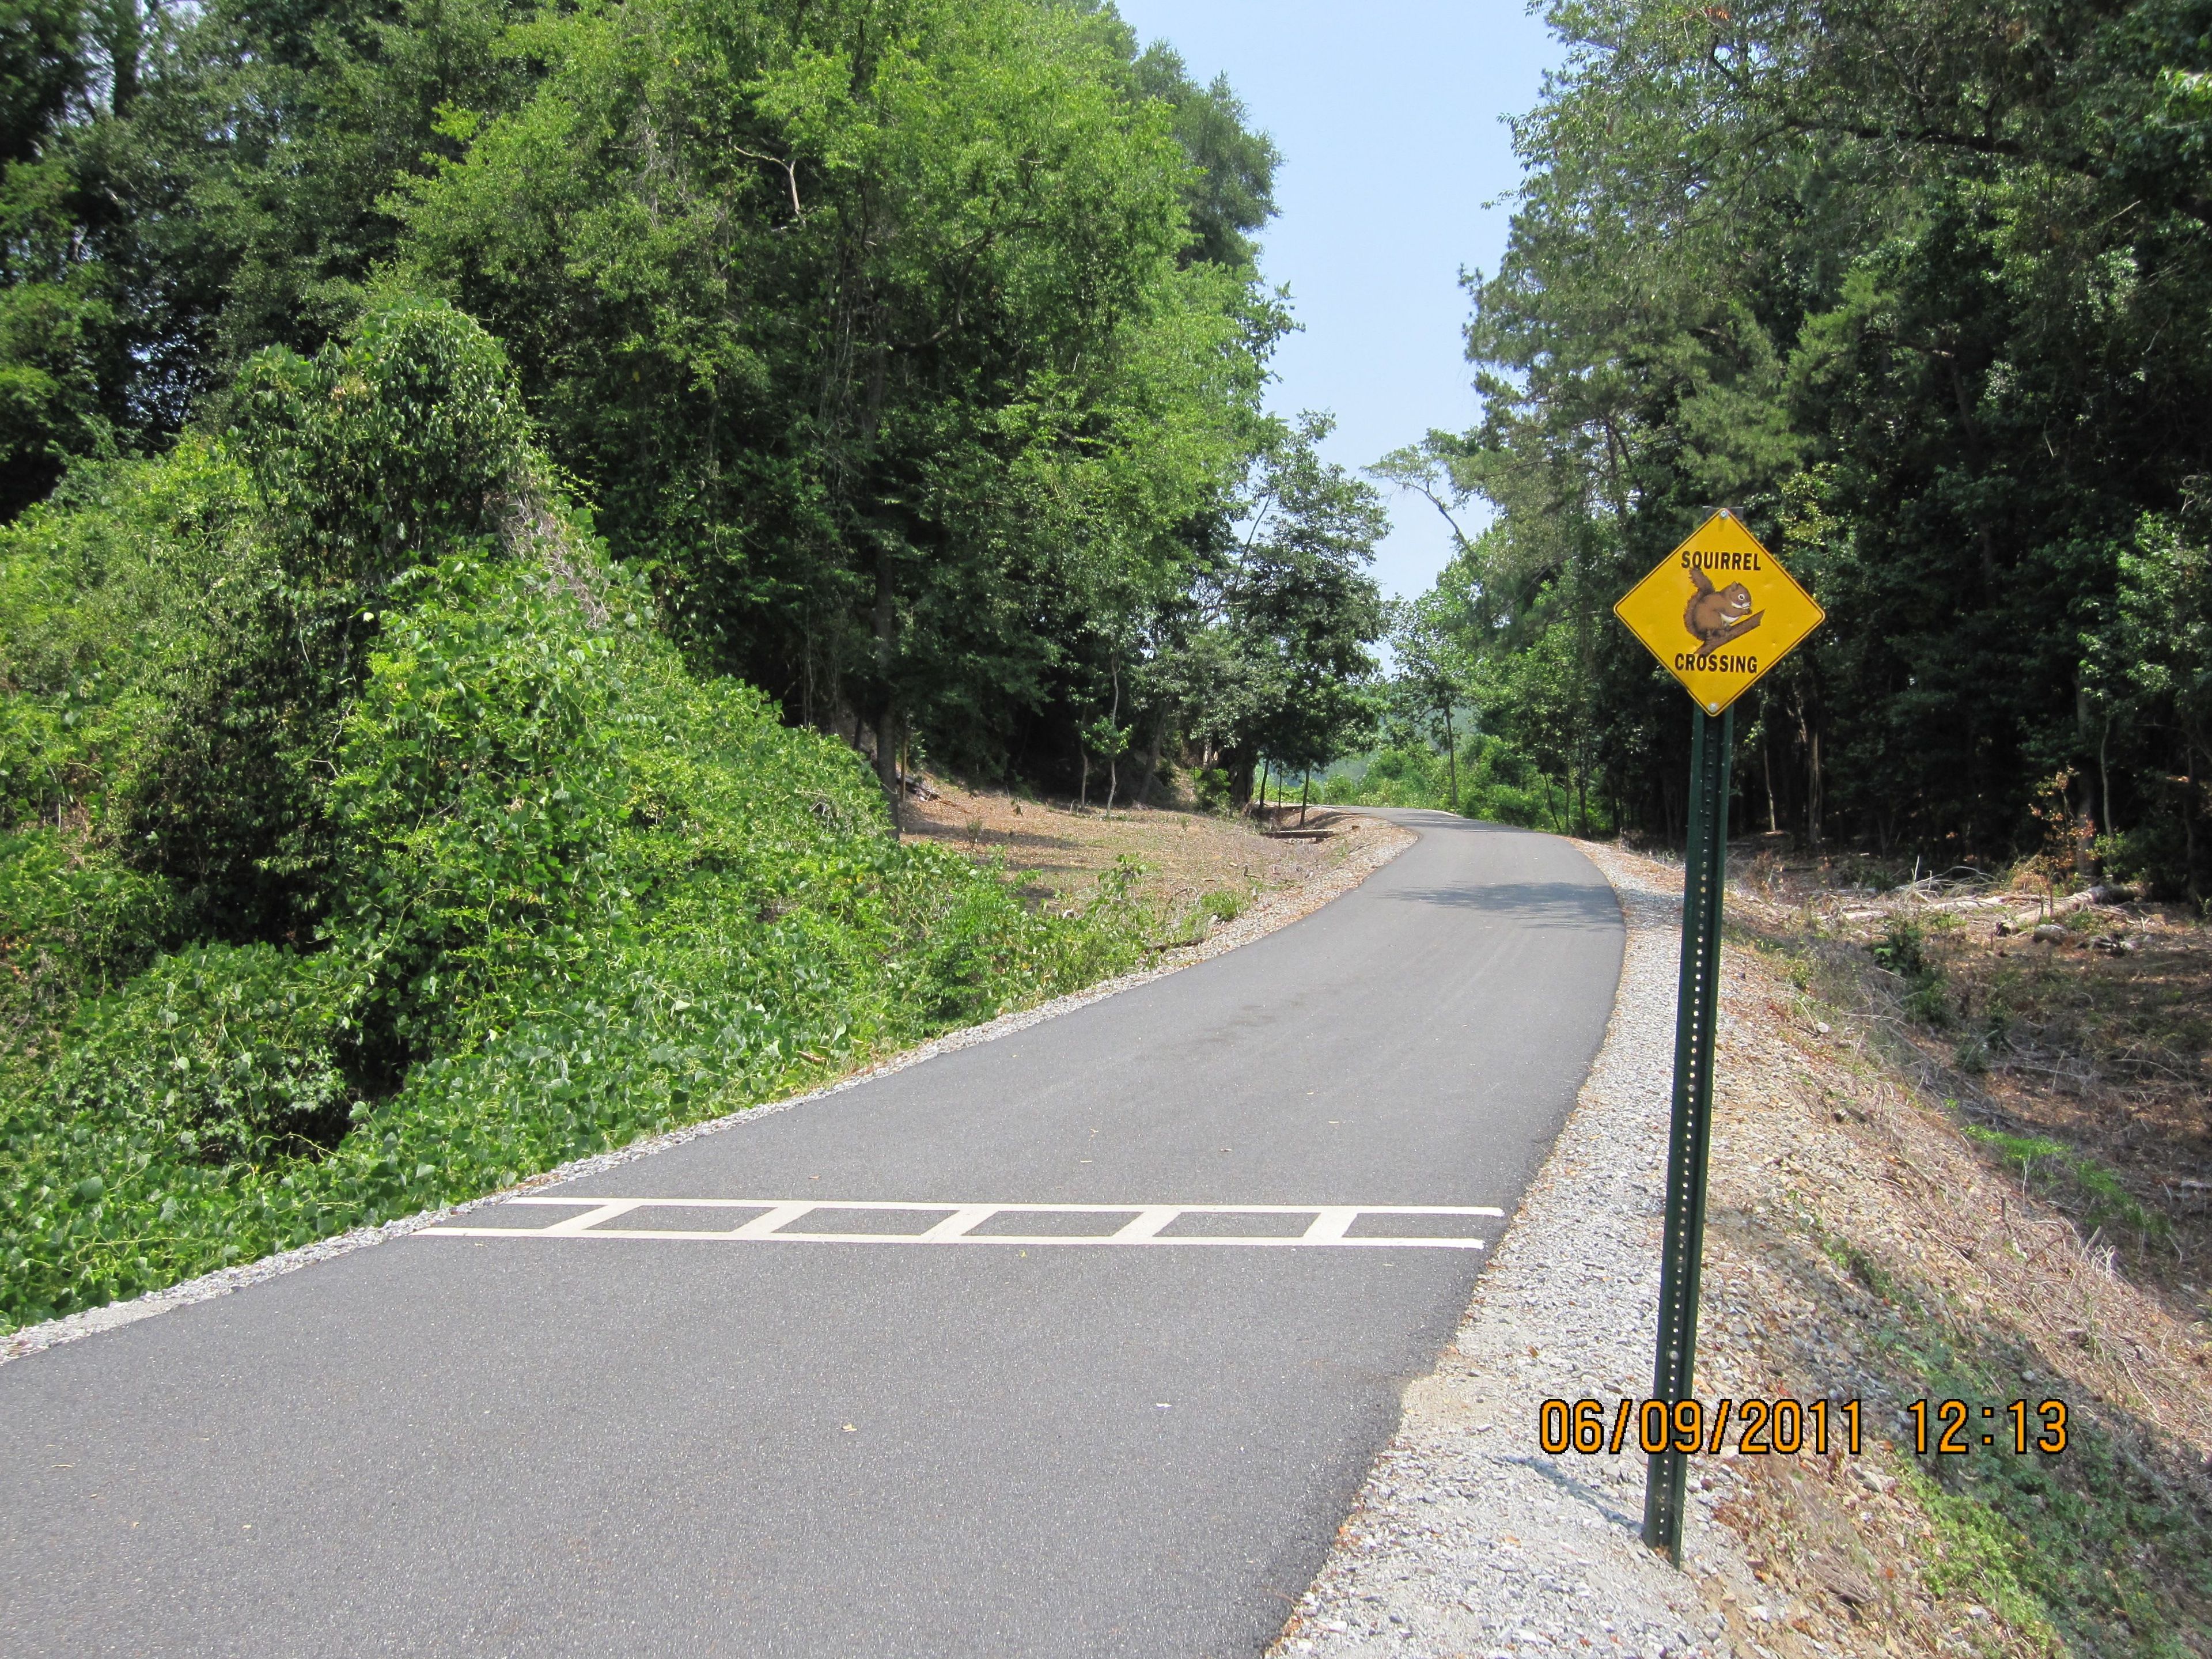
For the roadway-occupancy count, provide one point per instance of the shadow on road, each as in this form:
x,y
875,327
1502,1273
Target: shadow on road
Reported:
x,y
1539,903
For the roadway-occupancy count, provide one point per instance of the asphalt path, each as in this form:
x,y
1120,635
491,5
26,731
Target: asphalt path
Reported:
x,y
1132,1436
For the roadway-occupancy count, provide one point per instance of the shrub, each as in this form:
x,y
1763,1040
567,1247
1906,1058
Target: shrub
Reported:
x,y
1903,951
233,1050
73,920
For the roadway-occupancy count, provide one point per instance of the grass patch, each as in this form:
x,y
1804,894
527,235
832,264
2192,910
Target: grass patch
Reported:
x,y
1226,904
2091,1549
2076,1183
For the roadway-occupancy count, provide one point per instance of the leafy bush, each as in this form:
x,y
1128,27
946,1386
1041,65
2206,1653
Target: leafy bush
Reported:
x,y
1903,951
1210,788
234,1050
110,589
1497,782
73,919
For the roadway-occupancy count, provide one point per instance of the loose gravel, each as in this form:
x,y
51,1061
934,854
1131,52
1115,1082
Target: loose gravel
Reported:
x,y
1468,1539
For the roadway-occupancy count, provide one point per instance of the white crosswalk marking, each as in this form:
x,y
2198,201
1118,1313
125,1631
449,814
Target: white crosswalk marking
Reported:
x,y
781,1221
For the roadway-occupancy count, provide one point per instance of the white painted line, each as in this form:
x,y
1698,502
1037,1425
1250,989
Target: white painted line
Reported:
x,y
777,1223
761,1226
970,1203
1328,1227
1026,1240
1145,1227
956,1224
605,1212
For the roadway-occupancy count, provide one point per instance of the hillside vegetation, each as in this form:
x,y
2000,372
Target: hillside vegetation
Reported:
x,y
481,487
372,850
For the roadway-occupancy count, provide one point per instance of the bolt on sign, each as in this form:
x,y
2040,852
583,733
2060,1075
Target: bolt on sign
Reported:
x,y
1719,611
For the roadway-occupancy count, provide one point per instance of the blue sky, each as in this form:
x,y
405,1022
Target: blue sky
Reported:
x,y
1387,117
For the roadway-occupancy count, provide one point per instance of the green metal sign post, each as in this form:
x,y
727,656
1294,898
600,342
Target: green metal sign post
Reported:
x,y
1717,613
1712,740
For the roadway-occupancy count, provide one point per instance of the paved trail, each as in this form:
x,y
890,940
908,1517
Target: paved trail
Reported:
x,y
926,1424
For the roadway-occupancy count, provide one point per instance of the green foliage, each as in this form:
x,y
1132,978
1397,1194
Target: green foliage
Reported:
x,y
410,433
925,396
364,839
907,397
1493,780
73,920
364,464
40,66
1903,951
1211,788
2096,1550
553,890
2095,1546
1266,661
108,591
233,1050
1229,192
1922,292
2077,1183
480,782
1226,904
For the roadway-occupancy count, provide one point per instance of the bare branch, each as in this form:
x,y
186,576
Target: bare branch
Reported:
x,y
790,172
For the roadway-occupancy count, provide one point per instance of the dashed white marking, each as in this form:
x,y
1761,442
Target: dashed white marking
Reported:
x,y
776,1223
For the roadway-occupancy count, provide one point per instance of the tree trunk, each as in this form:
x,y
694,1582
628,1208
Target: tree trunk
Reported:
x,y
1238,766
1113,758
885,620
122,31
1812,790
887,757
1766,766
2105,778
1305,791
1144,795
1451,758
1811,741
2189,821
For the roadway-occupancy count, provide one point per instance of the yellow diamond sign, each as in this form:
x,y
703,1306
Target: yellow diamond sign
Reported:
x,y
1719,612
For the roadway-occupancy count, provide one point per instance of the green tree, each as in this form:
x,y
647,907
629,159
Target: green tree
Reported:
x,y
868,325
1431,678
1868,273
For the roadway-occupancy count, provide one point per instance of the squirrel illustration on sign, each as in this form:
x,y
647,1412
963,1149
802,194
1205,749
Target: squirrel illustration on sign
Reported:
x,y
1716,615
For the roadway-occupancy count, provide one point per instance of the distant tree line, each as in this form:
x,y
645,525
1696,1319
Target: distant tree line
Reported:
x,y
1924,288
913,350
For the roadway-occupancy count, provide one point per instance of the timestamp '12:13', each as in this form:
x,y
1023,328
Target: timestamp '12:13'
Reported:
x,y
1949,1419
